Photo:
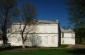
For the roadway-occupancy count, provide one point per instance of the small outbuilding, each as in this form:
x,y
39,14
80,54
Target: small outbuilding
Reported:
x,y
67,36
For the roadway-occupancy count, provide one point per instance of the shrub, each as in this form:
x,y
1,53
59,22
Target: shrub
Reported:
x,y
63,46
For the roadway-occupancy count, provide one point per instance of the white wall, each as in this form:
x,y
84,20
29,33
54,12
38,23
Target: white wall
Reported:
x,y
43,40
40,28
15,40
68,38
69,35
49,40
47,33
47,28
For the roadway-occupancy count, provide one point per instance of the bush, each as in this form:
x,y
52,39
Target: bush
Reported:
x,y
63,46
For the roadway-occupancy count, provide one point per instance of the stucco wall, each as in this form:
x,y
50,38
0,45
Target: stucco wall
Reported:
x,y
68,41
46,35
45,28
42,40
68,38
40,28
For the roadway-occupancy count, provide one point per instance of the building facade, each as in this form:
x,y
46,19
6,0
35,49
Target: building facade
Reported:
x,y
67,36
42,34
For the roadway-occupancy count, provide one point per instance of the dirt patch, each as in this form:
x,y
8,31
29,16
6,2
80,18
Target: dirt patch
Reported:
x,y
76,46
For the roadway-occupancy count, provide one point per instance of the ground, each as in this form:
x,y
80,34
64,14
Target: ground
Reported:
x,y
43,51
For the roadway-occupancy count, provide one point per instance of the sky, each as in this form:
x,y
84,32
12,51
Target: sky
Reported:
x,y
51,10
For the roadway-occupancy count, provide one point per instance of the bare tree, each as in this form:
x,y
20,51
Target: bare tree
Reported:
x,y
28,17
8,10
35,40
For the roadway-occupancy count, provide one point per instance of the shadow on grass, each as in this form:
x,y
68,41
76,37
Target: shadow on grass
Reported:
x,y
9,48
17,48
54,50
77,51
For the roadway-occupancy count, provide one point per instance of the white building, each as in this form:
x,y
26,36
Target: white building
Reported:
x,y
43,34
67,36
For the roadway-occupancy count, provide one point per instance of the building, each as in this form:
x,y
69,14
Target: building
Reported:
x,y
42,34
67,36
45,33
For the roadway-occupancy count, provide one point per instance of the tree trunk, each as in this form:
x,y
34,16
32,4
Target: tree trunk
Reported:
x,y
22,33
23,42
4,32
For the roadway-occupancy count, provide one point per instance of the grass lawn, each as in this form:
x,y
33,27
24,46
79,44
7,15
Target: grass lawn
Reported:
x,y
42,51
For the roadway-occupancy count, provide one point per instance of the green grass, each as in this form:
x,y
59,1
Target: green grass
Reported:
x,y
45,52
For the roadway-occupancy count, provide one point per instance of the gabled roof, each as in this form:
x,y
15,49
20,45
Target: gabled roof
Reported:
x,y
67,30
